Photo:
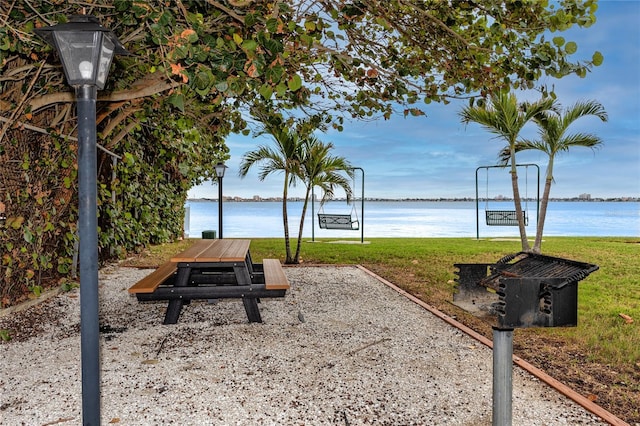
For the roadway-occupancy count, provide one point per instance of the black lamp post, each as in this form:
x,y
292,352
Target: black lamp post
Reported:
x,y
86,50
220,169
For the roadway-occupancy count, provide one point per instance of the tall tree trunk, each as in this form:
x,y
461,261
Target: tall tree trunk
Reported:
x,y
296,259
537,246
285,219
518,204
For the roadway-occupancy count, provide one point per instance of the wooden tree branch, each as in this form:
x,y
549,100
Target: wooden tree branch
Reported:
x,y
182,9
122,134
441,25
50,99
226,10
104,113
29,127
117,120
6,17
125,95
65,113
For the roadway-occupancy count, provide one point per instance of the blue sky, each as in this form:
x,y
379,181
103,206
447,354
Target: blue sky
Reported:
x,y
437,156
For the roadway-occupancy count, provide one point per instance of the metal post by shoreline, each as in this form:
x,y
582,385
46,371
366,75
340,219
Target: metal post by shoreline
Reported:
x,y
313,216
361,206
220,169
362,211
219,207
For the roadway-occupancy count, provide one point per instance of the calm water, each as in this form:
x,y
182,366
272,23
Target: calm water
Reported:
x,y
415,219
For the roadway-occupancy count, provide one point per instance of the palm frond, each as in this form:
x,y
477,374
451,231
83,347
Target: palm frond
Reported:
x,y
583,109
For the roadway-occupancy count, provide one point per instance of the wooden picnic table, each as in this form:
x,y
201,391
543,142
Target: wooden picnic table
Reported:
x,y
210,270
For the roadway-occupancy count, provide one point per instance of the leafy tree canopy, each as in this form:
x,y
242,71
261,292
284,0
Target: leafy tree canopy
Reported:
x,y
435,50
211,57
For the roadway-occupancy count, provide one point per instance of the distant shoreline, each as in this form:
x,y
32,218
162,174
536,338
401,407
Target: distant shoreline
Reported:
x,y
448,200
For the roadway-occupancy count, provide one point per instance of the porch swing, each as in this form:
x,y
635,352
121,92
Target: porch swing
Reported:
x,y
339,221
506,217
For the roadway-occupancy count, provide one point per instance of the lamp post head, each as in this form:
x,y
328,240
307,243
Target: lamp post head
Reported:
x,y
220,169
85,48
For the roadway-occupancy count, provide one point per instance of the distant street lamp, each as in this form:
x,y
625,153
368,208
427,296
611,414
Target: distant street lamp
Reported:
x,y
220,169
86,50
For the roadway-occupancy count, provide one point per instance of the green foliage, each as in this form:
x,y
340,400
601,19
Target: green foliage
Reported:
x,y
145,202
553,126
415,45
36,290
68,285
37,239
5,335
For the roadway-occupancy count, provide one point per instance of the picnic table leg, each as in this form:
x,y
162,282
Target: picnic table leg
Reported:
x,y
175,305
251,307
249,263
250,303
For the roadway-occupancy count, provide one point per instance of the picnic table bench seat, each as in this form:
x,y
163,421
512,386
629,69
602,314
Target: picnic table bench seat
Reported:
x,y
151,282
274,277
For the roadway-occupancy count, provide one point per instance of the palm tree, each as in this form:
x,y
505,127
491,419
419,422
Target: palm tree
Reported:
x,y
286,157
505,118
319,168
554,140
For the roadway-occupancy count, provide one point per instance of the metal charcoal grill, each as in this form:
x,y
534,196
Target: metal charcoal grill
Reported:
x,y
521,290
526,289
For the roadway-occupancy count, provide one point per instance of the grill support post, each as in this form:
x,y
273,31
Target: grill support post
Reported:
x,y
502,376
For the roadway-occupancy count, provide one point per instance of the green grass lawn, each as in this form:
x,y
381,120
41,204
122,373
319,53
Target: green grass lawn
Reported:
x,y
424,266
600,357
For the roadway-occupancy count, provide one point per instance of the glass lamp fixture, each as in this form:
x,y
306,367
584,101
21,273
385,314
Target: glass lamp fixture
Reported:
x,y
220,169
86,49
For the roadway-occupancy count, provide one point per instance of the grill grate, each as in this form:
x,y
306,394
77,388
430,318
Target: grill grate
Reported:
x,y
531,265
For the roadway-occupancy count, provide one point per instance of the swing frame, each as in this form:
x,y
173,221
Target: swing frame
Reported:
x,y
505,217
339,221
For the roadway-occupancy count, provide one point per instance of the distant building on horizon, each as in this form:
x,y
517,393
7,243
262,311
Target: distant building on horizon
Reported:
x,y
584,196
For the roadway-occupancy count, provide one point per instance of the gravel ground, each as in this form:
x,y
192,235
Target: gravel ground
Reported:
x,y
341,348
